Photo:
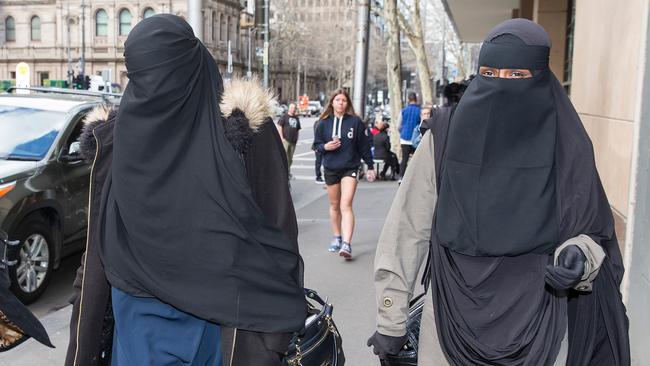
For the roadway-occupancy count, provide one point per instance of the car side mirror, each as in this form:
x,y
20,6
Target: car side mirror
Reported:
x,y
74,153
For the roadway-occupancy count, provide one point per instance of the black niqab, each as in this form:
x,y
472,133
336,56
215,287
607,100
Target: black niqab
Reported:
x,y
518,178
498,165
181,223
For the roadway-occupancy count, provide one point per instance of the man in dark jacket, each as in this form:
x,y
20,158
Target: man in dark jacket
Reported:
x,y
381,142
255,138
290,128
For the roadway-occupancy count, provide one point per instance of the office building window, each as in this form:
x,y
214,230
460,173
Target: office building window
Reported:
x,y
10,29
36,28
148,12
125,22
101,23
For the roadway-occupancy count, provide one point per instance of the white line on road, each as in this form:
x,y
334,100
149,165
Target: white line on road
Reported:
x,y
304,177
304,159
304,154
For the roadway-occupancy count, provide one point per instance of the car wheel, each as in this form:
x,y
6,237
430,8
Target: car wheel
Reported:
x,y
35,254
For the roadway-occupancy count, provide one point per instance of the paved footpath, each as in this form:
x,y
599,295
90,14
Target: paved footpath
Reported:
x,y
347,284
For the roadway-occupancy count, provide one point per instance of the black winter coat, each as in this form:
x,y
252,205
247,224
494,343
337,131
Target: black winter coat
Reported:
x,y
91,325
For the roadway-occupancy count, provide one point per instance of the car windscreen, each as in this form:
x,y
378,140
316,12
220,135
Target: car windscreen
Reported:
x,y
28,133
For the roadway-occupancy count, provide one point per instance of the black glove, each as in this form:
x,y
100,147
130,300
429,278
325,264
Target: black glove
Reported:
x,y
384,345
569,270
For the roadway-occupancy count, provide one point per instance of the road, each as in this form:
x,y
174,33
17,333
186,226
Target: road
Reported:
x,y
348,285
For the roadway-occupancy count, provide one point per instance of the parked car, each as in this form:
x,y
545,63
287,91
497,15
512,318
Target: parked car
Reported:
x,y
44,183
314,108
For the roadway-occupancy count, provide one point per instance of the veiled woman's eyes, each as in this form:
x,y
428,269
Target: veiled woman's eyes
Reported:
x,y
517,75
489,73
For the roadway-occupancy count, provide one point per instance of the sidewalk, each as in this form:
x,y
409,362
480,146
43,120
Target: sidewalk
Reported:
x,y
347,284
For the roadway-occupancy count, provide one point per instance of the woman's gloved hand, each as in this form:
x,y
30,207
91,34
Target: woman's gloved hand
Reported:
x,y
569,269
384,345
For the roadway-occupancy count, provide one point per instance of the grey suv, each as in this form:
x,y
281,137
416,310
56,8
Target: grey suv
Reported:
x,y
43,183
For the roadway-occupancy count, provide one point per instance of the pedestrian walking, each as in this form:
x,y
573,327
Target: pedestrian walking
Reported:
x,y
343,140
289,125
319,157
410,119
525,266
425,114
172,214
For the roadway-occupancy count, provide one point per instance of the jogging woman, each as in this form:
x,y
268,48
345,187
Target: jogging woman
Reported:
x,y
343,140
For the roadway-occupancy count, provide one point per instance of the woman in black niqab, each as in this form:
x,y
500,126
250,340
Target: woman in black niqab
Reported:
x,y
518,179
180,222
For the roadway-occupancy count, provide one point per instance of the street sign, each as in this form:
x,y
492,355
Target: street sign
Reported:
x,y
22,78
380,96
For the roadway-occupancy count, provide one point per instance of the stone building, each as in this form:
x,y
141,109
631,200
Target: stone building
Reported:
x,y
322,35
37,32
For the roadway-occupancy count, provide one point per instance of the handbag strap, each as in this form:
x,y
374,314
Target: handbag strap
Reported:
x,y
313,295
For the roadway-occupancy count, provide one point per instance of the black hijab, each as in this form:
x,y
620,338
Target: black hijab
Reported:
x,y
181,223
518,178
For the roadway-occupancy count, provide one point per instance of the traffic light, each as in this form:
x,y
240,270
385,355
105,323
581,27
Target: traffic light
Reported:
x,y
77,82
86,82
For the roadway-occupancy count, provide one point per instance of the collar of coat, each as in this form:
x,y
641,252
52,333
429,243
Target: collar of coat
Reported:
x,y
245,106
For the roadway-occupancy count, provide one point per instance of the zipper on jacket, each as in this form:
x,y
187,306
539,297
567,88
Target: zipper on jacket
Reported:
x,y
83,277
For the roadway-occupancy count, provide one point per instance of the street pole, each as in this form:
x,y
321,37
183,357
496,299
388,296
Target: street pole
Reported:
x,y
442,71
298,84
68,50
361,57
266,44
82,60
249,72
195,17
304,80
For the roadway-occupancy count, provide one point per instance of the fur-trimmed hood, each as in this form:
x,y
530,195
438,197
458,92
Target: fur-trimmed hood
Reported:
x,y
245,107
99,115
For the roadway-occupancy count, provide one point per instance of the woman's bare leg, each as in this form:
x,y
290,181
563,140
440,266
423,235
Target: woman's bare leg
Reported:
x,y
348,188
334,195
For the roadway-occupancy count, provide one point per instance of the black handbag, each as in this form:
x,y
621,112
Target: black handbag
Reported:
x,y
319,344
408,355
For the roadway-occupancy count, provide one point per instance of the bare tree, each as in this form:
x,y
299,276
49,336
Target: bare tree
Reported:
x,y
415,37
394,69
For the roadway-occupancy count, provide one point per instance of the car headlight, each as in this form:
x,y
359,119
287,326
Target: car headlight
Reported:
x,y
6,188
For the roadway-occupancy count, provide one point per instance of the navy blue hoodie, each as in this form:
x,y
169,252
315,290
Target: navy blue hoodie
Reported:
x,y
355,143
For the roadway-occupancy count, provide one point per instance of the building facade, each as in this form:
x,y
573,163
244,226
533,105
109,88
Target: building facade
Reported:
x,y
321,34
42,32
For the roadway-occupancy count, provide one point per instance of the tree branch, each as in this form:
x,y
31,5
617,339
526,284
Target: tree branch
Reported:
x,y
404,26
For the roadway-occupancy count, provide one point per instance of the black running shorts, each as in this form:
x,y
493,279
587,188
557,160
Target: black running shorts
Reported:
x,y
334,176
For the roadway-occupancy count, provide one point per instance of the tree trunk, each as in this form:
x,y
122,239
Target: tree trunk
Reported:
x,y
393,68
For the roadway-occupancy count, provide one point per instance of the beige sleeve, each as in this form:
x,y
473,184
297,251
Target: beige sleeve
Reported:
x,y
594,254
404,241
